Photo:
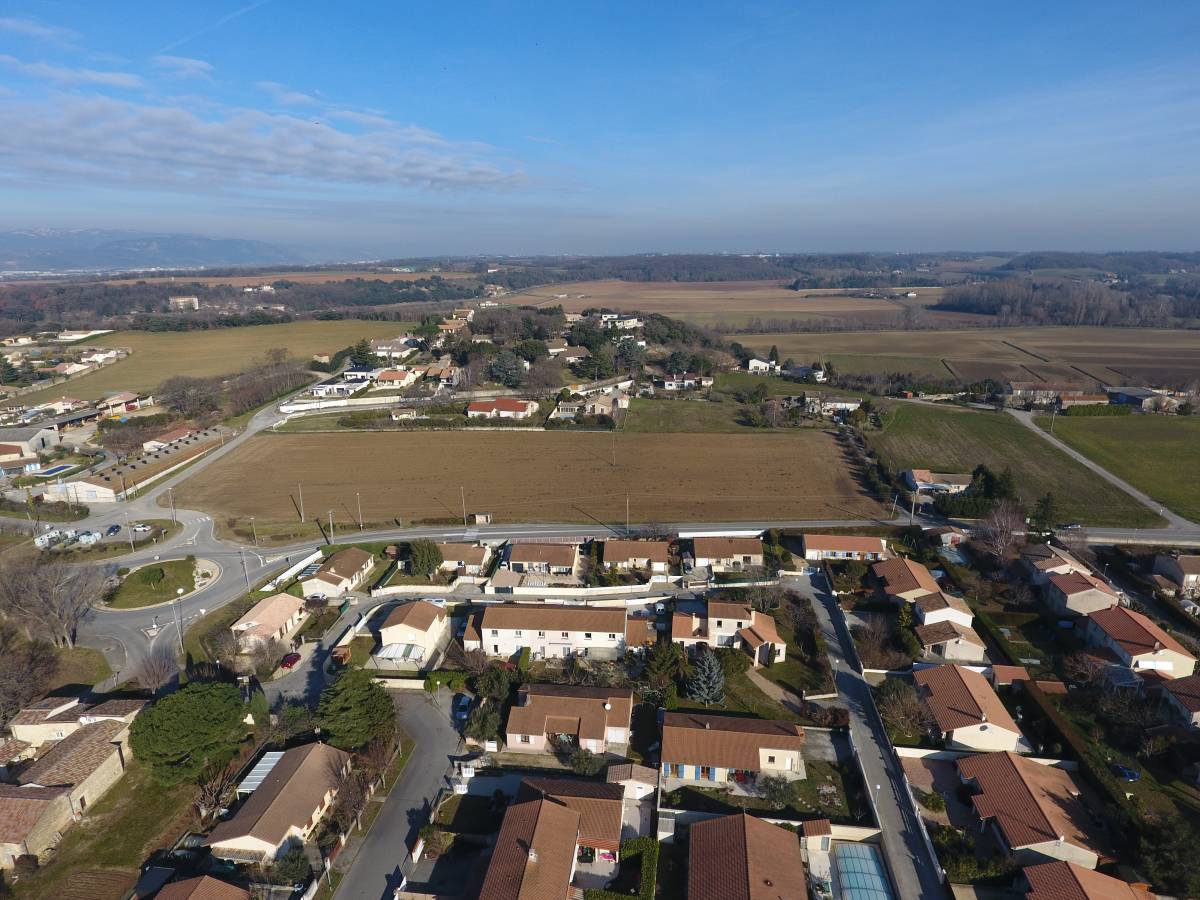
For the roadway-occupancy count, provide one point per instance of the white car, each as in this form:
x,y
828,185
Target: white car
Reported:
x,y
142,528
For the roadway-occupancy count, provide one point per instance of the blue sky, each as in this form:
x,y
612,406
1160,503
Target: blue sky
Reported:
x,y
414,128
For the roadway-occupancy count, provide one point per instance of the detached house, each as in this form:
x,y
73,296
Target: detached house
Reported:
x,y
725,749
1080,593
649,556
284,809
549,717
501,408
414,631
966,709
723,554
742,857
87,762
941,607
1138,643
535,851
730,625
936,482
1181,696
550,632
273,618
464,559
1042,561
543,559
1068,881
951,641
1035,811
904,580
345,571
832,547
31,820
1183,571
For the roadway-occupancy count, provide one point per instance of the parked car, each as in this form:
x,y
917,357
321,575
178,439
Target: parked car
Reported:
x,y
1070,526
112,529
1125,773
289,661
142,528
462,707
316,597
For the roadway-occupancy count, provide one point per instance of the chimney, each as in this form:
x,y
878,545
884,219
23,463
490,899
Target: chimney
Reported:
x,y
607,706
532,854
983,717
707,725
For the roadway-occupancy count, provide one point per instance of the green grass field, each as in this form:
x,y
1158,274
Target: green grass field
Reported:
x,y
141,589
957,440
1156,454
157,356
658,416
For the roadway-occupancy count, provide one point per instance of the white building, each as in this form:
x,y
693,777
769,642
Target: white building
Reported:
x,y
549,631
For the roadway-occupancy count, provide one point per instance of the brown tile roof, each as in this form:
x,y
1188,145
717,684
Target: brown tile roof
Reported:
x,y
600,806
938,600
346,563
1051,687
1189,564
534,853
946,630
959,697
22,807
631,772
202,888
420,614
575,710
550,554
76,756
816,827
268,615
1009,674
740,857
901,576
640,633
1030,803
1186,691
116,709
41,711
287,797
1067,881
501,404
687,625
761,631
625,551
849,542
720,609
723,548
1077,582
537,617
727,742
11,748
468,554
1135,633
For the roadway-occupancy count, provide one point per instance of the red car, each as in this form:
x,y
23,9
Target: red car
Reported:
x,y
289,661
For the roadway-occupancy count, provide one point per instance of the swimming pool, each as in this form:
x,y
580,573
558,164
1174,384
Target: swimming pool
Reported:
x,y
54,470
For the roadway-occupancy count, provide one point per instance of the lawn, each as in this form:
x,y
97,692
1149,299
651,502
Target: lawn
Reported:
x,y
741,696
203,353
78,666
743,382
469,814
198,637
825,793
136,817
155,583
948,439
794,673
1156,454
659,416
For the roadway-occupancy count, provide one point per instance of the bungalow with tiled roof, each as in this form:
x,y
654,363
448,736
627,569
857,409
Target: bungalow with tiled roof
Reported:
x,y
730,625
725,554
273,618
741,857
344,571
501,408
31,820
720,750
1181,696
600,806
464,559
649,556
1138,642
203,888
89,762
904,580
837,547
549,717
1035,811
1040,561
1181,570
1079,593
1068,881
419,628
966,709
941,607
535,852
951,642
544,559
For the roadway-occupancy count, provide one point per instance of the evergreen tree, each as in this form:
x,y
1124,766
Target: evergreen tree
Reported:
x,y
424,557
707,685
362,357
8,372
354,711
1045,511
181,733
773,356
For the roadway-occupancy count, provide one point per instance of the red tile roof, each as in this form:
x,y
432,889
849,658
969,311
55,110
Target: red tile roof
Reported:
x,y
1135,633
727,742
1186,691
22,807
902,576
600,806
1067,881
959,697
741,857
202,888
534,852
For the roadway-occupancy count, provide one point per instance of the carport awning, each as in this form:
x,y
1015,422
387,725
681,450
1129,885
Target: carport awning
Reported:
x,y
401,652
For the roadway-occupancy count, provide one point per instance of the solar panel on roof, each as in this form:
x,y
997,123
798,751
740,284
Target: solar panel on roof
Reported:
x,y
260,772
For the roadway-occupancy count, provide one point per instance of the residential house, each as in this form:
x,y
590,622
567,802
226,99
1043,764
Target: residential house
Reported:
x,y
1079,593
575,354
544,559
641,633
334,387
273,618
836,547
550,632
762,367
1181,696
724,554
905,580
452,327
941,607
420,627
125,401
394,349
829,405
951,641
1018,393
966,709
552,717
1068,881
627,323
730,625
395,378
1142,398
803,373
31,820
501,408
535,852
203,888
600,805
1036,812
464,559
556,346
183,304
726,749
1138,642
606,404
743,857
343,571
936,482
1041,561
89,761
284,810
945,535
167,438
1182,570
636,781
30,441
649,556
1066,401
54,718
684,381
466,314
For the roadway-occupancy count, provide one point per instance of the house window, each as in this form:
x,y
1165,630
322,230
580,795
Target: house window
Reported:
x,y
518,632
564,634
720,624
541,634
612,636
495,633
587,635
524,739
771,760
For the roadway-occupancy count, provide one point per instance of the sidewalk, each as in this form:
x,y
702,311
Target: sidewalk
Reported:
x,y
776,692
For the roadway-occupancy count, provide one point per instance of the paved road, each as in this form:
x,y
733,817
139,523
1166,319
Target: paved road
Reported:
x,y
914,870
383,857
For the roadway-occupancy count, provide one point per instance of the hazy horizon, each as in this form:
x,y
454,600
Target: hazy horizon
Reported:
x,y
618,129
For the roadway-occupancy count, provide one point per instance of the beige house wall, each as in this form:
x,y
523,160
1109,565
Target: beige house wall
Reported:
x,y
982,737
960,651
1052,850
54,821
85,794
788,763
1180,666
42,733
406,634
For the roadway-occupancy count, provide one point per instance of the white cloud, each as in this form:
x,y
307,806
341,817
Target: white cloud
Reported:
x,y
64,75
184,66
31,29
213,26
103,141
284,95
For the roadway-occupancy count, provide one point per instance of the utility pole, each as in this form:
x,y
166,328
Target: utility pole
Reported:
x,y
171,494
358,497
254,531
245,571
179,616
614,449
463,493
1053,416
912,512
626,515
895,500
331,526
300,488
129,531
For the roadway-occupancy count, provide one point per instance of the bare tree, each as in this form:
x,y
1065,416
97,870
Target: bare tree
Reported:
x,y
1076,541
48,597
1083,668
875,645
156,670
375,757
267,654
213,788
25,669
998,531
1020,595
474,662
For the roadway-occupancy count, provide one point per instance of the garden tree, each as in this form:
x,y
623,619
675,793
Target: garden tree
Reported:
x,y
531,350
665,663
351,798
424,557
776,790
428,327
679,361
494,683
157,668
354,710
901,708
876,645
601,364
733,661
773,356
483,724
8,372
213,787
294,718
26,668
266,656
291,868
187,730
630,357
192,398
585,762
1045,512
707,684
1020,595
998,532
260,710
362,357
506,369
1164,854
47,597
545,375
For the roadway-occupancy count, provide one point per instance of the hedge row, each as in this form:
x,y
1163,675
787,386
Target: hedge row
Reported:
x,y
647,849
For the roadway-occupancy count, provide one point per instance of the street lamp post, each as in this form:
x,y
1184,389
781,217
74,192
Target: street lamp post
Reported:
x,y
179,617
171,494
254,531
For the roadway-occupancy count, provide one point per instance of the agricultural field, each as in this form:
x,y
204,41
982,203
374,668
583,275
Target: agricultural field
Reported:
x,y
159,355
1159,455
540,476
946,439
1106,355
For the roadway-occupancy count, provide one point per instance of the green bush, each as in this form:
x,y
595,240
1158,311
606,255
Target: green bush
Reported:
x,y
1099,409
454,681
292,868
151,576
644,849
523,660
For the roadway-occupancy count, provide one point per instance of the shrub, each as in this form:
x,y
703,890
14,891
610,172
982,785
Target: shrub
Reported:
x,y
454,681
291,868
585,762
733,662
523,661
483,724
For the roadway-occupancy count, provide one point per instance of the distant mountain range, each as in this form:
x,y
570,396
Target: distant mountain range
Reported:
x,y
62,250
